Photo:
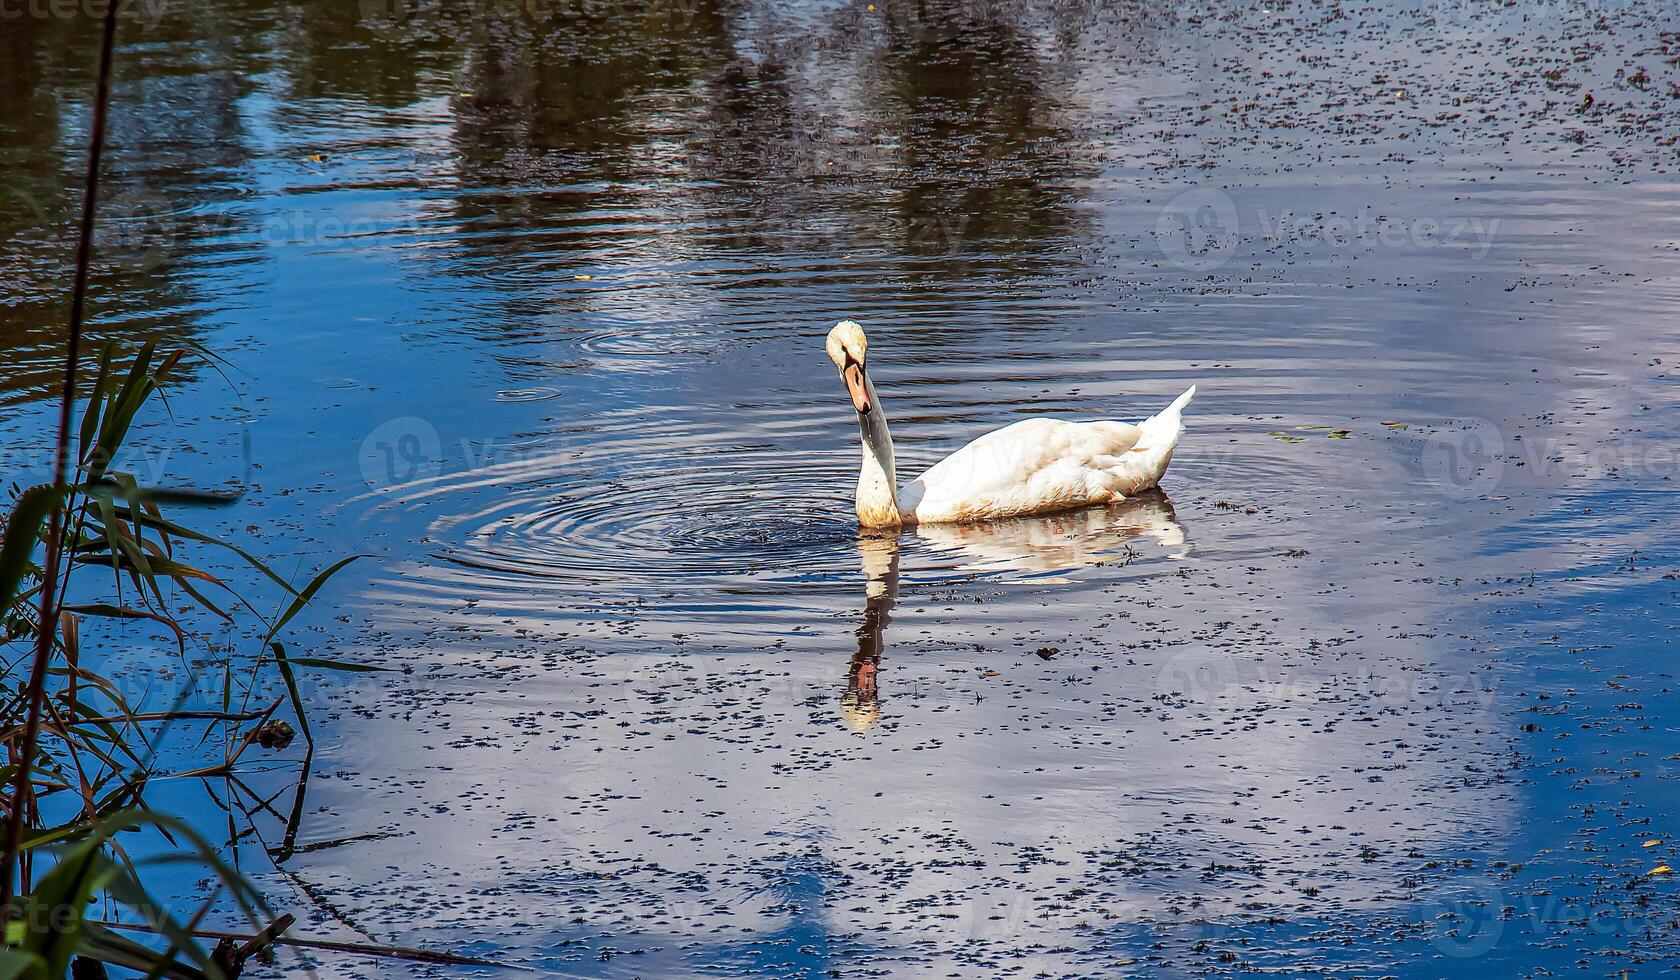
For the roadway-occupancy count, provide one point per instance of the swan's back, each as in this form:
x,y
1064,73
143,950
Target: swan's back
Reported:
x,y
1040,465
1030,467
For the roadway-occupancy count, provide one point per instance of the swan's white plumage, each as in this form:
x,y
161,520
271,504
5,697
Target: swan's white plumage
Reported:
x,y
1045,464
1034,466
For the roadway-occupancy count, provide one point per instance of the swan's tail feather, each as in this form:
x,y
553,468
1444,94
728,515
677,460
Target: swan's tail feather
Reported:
x,y
1147,462
1161,431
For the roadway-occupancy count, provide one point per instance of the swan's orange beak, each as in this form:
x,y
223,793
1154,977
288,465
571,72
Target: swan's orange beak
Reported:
x,y
854,384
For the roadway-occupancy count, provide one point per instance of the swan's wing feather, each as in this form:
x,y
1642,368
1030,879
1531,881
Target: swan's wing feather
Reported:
x,y
1030,466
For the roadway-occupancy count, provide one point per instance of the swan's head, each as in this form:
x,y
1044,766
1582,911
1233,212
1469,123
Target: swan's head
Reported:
x,y
848,348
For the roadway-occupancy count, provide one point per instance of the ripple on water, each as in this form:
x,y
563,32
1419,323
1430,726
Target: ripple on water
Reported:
x,y
689,520
536,393
637,510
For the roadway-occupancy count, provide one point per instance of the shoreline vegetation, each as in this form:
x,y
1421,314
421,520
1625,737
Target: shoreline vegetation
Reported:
x,y
80,752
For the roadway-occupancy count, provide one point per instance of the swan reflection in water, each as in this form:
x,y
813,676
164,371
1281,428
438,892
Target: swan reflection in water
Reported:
x,y
1041,546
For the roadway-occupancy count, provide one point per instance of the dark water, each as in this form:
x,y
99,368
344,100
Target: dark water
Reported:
x,y
526,300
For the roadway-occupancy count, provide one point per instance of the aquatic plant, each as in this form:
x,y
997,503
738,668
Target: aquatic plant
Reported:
x,y
79,753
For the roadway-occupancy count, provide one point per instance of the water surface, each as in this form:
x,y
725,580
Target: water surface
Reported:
x,y
527,302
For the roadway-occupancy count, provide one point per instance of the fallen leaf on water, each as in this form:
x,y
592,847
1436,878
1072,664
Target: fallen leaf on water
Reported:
x,y
582,276
1397,425
1661,869
1340,434
990,673
1651,843
316,158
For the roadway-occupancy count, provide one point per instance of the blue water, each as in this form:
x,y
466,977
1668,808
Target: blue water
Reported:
x,y
526,304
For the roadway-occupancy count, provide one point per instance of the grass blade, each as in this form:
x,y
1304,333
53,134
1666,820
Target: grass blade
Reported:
x,y
308,593
292,688
23,529
335,665
90,417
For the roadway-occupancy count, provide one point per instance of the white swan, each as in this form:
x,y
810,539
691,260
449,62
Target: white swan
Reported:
x,y
1034,466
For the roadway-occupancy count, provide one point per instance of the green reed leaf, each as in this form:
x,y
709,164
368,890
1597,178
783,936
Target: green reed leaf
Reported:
x,y
23,530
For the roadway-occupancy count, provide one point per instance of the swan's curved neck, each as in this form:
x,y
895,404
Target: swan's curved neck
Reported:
x,y
877,493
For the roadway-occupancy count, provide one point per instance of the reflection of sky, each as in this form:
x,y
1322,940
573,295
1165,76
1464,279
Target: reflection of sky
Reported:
x,y
629,634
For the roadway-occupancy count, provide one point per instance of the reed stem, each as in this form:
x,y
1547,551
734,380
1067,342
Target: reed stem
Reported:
x,y
61,473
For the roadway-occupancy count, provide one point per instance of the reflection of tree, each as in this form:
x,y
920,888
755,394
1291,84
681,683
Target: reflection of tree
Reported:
x,y
176,144
580,92
933,129
348,50
976,109
38,63
567,110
